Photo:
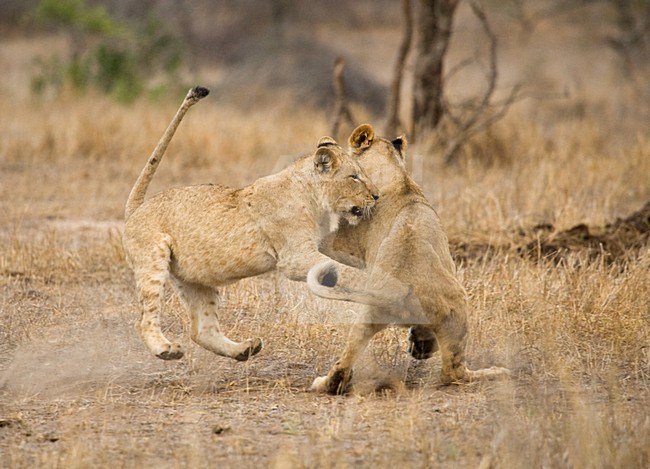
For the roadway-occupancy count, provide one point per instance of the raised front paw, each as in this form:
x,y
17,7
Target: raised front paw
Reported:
x,y
170,351
254,347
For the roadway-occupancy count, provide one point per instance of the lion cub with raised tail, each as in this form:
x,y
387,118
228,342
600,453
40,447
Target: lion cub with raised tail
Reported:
x,y
202,237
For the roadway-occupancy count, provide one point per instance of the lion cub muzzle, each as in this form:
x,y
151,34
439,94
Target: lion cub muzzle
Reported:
x,y
360,212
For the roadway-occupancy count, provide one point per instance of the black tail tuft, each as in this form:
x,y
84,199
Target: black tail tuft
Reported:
x,y
329,278
199,92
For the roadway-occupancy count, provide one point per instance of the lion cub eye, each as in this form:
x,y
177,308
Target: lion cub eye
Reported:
x,y
355,177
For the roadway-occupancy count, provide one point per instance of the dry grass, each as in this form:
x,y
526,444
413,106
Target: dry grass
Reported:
x,y
78,389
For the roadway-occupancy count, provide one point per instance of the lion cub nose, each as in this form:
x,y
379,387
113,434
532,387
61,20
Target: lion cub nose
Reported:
x,y
376,197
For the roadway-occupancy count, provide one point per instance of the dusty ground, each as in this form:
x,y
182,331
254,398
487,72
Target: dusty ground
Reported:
x,y
566,308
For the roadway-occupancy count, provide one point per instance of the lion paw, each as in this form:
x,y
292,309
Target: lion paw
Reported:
x,y
170,352
254,347
319,384
336,382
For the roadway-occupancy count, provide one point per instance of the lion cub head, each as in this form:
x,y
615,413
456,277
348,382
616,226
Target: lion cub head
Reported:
x,y
383,160
348,191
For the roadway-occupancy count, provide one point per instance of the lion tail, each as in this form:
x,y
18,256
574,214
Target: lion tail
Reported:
x,y
139,190
322,280
494,372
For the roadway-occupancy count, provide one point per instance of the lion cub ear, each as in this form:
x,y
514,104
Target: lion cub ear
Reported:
x,y
362,137
325,160
400,145
326,141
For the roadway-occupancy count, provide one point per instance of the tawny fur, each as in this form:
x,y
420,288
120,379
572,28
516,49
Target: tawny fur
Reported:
x,y
410,277
202,237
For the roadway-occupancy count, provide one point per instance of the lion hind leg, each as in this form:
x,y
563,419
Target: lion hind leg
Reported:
x,y
452,339
201,303
338,379
150,282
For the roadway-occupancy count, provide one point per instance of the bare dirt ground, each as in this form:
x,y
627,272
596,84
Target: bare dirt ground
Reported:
x,y
550,233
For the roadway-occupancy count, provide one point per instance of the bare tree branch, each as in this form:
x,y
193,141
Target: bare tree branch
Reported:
x,y
631,41
341,109
460,66
528,21
482,113
493,72
457,142
393,124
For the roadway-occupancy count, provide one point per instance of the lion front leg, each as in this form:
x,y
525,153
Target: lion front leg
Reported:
x,y
339,376
201,303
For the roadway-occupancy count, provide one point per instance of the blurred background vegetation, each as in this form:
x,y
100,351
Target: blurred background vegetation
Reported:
x,y
257,53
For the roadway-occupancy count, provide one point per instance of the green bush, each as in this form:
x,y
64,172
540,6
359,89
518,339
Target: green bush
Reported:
x,y
113,56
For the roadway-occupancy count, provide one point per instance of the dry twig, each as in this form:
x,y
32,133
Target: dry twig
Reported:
x,y
393,124
341,110
483,113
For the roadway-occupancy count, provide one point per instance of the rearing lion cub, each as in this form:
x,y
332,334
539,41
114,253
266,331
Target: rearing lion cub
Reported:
x,y
201,237
403,244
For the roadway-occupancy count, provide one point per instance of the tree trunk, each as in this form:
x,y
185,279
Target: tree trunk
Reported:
x,y
434,25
